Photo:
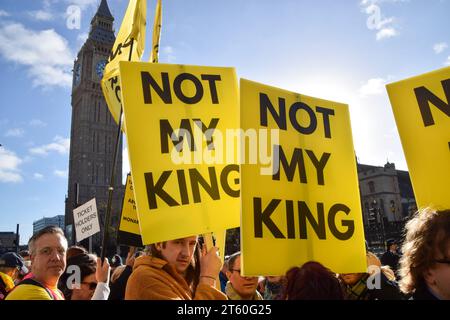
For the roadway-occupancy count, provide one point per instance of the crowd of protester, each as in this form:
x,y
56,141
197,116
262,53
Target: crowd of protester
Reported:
x,y
184,269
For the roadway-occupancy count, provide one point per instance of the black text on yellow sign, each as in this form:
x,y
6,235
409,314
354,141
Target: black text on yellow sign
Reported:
x,y
129,232
309,204
167,106
421,108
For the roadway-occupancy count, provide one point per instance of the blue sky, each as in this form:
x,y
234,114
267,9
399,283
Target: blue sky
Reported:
x,y
339,50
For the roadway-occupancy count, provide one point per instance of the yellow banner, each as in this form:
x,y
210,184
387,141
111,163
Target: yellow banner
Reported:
x,y
129,46
129,232
176,118
299,195
154,55
421,108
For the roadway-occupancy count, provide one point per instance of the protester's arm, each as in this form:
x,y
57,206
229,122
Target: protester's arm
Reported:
x,y
210,266
102,275
101,292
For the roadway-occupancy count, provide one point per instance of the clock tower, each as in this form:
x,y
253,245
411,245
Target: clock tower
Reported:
x,y
93,133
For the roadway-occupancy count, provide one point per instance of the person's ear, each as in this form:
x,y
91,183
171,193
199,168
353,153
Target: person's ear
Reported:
x,y
228,274
428,276
158,246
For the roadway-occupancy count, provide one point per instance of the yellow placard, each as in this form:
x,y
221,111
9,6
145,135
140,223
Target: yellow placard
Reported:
x,y
421,108
175,116
309,208
129,232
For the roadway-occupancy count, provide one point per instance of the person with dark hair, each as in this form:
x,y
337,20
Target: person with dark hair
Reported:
x,y
312,281
74,251
25,254
240,287
116,261
271,287
176,270
425,263
11,267
391,257
120,276
93,278
48,261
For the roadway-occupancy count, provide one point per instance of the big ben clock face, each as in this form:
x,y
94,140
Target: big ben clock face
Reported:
x,y
100,67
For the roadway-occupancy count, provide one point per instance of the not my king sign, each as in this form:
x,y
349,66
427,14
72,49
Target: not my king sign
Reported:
x,y
307,208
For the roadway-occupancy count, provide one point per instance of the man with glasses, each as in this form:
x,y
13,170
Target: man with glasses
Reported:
x,y
240,287
48,261
425,264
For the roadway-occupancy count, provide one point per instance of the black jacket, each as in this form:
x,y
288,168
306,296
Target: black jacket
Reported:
x,y
118,287
390,259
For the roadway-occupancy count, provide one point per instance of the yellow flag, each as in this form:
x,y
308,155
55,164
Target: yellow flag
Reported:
x,y
156,33
129,46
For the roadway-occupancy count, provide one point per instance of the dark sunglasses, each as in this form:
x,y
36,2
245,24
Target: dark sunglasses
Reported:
x,y
92,285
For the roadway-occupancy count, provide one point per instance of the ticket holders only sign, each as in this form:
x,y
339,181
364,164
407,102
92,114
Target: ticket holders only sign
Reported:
x,y
421,108
307,207
86,220
176,118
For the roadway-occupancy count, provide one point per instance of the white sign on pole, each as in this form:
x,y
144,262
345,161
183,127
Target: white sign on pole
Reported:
x,y
86,220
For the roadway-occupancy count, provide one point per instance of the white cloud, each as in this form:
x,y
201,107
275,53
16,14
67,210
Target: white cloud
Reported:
x,y
41,15
16,132
82,37
3,13
37,123
368,2
385,22
447,63
168,49
169,54
386,33
59,144
38,176
440,47
9,166
83,4
49,64
61,173
386,27
373,86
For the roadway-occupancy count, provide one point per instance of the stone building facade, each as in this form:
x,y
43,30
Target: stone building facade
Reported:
x,y
387,201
